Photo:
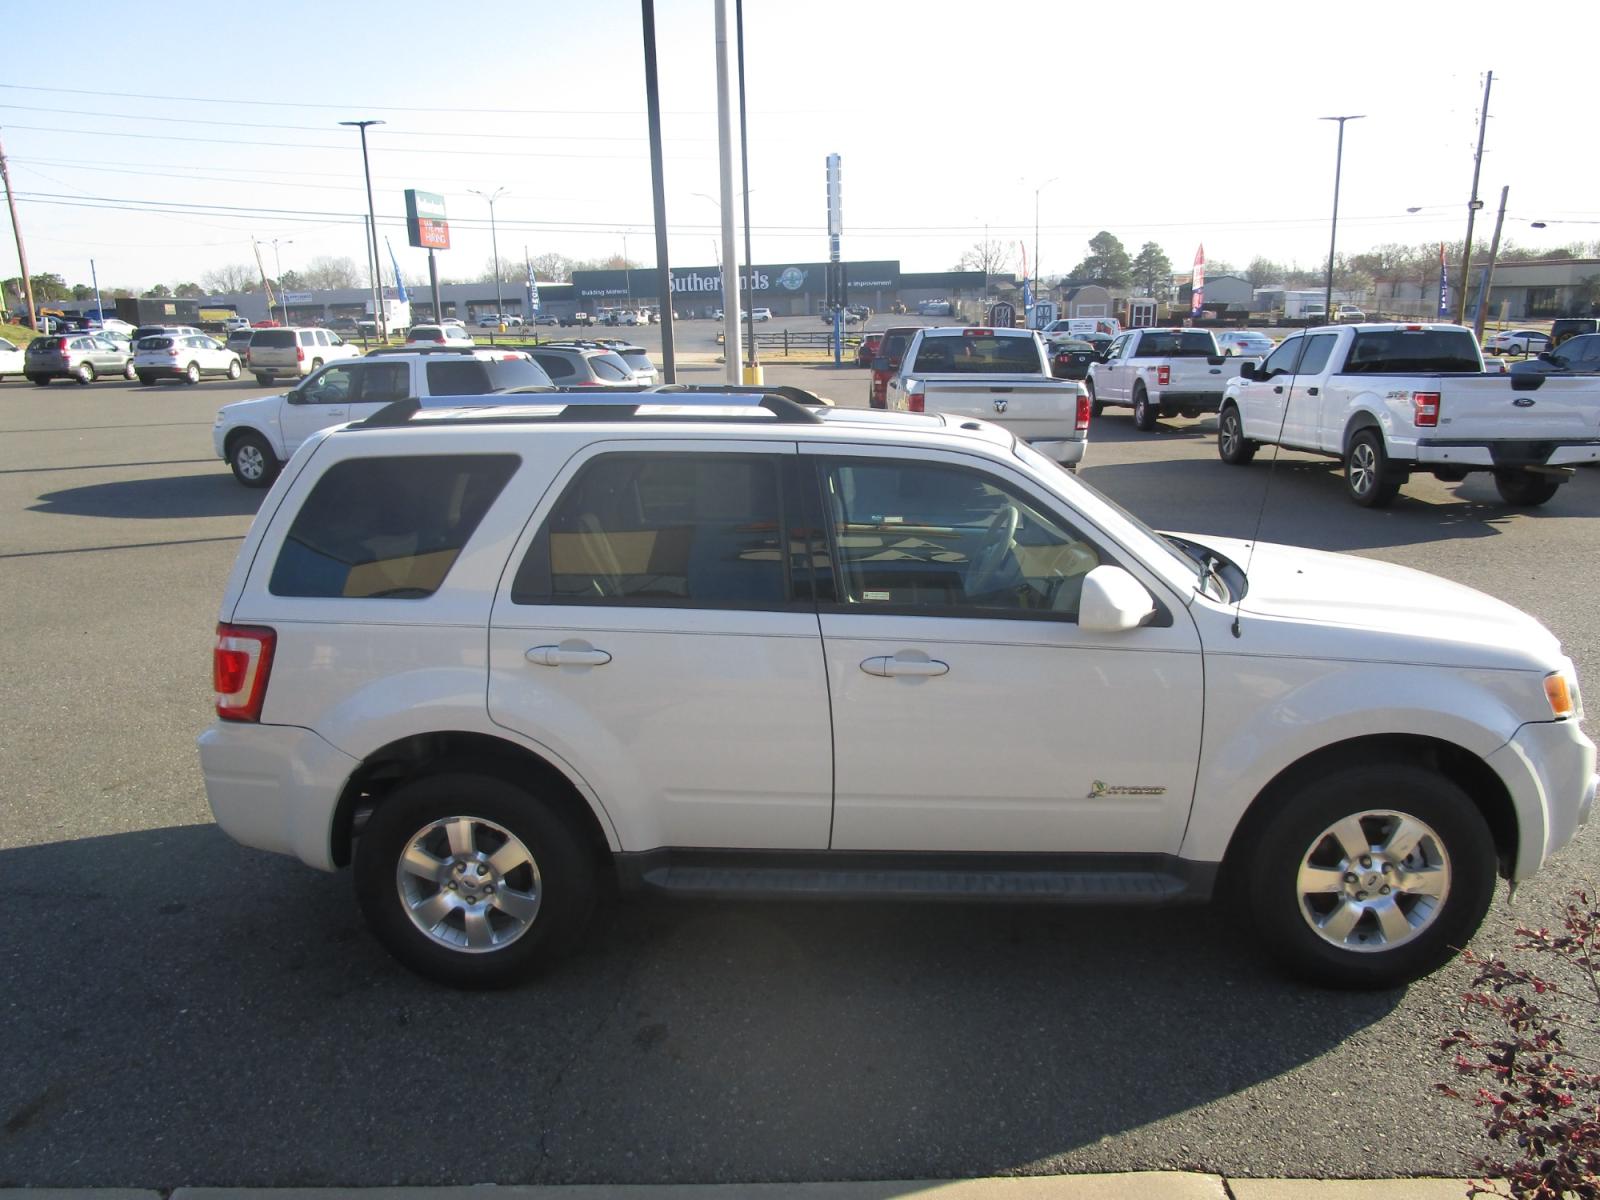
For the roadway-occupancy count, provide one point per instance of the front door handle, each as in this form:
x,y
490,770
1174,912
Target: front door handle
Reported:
x,y
885,665
567,656
1311,391
1278,390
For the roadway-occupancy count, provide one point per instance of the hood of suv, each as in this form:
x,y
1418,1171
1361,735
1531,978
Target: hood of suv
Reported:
x,y
1345,606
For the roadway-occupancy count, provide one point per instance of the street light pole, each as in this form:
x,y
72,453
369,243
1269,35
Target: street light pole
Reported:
x,y
277,259
1036,192
1474,204
753,367
494,241
1333,236
730,253
378,313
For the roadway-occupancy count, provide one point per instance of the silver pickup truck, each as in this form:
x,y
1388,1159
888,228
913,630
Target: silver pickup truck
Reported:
x,y
1001,375
1163,373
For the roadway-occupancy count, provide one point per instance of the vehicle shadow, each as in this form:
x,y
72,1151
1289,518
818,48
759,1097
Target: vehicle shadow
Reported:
x,y
191,984
1302,501
213,494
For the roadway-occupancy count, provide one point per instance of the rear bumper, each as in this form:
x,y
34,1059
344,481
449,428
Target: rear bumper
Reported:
x,y
1171,401
1066,451
275,787
1450,452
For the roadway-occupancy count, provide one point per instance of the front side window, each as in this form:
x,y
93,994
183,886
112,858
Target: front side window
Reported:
x,y
699,530
1281,361
941,540
332,385
387,528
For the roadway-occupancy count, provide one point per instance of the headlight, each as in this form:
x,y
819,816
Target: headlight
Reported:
x,y
1561,690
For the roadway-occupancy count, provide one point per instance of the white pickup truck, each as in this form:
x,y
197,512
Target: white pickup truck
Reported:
x,y
1162,373
1391,399
1000,375
256,437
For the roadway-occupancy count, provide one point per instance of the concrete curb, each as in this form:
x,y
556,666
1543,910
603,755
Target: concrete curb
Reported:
x,y
1138,1185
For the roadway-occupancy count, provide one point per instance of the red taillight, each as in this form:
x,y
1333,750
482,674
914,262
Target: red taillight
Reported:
x,y
61,345
300,353
1083,412
240,665
1163,376
173,353
914,402
1424,409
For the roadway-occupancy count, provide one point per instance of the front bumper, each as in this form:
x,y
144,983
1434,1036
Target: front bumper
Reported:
x,y
275,787
1549,769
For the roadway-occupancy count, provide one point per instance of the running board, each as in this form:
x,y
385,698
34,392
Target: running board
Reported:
x,y
850,875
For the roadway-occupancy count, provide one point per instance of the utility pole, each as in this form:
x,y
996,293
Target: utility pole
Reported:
x,y
658,187
752,367
730,252
22,254
378,314
1333,236
1474,204
1036,192
1488,275
494,241
99,307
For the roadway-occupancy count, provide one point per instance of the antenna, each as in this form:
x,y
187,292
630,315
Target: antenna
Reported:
x,y
1277,449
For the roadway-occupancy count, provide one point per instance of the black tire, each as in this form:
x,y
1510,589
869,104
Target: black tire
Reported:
x,y
565,884
1145,414
1095,407
1282,912
253,462
1369,479
84,375
1232,446
39,380
128,372
146,379
1525,489
191,373
234,369
263,380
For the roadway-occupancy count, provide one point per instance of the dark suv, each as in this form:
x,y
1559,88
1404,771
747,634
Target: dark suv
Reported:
x,y
1578,355
1568,327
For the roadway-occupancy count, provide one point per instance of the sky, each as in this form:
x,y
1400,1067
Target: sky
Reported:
x,y
160,153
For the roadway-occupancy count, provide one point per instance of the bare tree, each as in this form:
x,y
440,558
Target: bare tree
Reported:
x,y
233,277
327,272
552,267
990,257
511,271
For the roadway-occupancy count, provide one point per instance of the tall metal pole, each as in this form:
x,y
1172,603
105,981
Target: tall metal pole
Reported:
x,y
730,251
277,258
494,241
22,253
1036,192
1474,204
658,187
378,313
1333,236
744,157
1488,275
94,278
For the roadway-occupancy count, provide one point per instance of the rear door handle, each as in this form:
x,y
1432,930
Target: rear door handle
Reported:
x,y
1311,391
885,665
1278,390
567,656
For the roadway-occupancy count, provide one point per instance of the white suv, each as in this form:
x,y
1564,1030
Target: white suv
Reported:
x,y
498,658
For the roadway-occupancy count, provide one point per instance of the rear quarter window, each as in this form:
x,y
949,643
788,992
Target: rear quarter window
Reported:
x,y
387,528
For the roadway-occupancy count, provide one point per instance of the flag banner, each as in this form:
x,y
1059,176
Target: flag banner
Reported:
x,y
399,284
1444,284
1198,285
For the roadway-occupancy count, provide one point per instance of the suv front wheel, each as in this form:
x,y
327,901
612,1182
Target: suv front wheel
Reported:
x,y
472,880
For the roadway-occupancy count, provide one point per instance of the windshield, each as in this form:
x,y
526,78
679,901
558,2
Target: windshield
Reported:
x,y
979,354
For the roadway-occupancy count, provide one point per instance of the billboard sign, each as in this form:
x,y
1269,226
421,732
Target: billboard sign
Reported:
x,y
835,211
426,226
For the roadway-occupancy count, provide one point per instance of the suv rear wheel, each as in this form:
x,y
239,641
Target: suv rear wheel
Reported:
x,y
472,880
191,373
85,373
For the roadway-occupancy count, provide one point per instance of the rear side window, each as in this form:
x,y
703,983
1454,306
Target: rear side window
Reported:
x,y
661,530
272,339
307,338
978,354
475,377
1395,351
387,527
555,366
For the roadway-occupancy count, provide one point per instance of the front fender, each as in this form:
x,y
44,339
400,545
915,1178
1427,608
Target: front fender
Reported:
x,y
1265,713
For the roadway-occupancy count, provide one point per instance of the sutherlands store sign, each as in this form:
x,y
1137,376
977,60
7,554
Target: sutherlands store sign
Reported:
x,y
794,279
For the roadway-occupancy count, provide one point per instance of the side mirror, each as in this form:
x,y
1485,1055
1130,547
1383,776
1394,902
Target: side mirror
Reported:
x,y
294,396
881,363
1248,372
1113,601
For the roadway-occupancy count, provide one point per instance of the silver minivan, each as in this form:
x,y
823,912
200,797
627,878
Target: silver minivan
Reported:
x,y
291,353
83,357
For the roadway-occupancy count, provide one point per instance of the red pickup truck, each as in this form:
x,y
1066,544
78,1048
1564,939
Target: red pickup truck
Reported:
x,y
893,348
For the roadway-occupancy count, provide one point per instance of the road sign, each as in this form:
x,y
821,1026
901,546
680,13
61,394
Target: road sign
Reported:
x,y
426,226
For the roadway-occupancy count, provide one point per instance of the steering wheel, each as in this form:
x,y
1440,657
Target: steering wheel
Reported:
x,y
997,545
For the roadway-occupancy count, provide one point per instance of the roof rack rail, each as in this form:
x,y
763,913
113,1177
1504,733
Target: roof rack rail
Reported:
x,y
787,411
798,395
425,349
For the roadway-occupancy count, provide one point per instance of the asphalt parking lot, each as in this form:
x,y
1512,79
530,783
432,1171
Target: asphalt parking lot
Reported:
x,y
179,1009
